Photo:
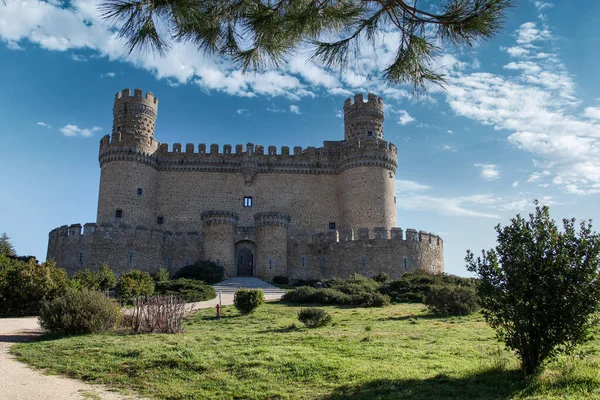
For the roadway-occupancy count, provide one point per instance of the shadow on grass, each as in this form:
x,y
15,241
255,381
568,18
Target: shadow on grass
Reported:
x,y
419,316
485,385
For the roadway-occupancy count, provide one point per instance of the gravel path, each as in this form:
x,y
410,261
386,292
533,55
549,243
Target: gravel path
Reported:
x,y
19,382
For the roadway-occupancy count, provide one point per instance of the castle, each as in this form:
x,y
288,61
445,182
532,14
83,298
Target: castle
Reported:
x,y
311,213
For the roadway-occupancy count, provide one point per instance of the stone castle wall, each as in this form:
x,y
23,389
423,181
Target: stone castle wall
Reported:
x,y
164,206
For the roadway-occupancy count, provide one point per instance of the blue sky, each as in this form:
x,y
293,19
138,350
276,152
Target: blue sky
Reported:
x,y
519,119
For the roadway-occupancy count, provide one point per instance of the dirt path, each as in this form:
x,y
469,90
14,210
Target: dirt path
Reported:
x,y
19,382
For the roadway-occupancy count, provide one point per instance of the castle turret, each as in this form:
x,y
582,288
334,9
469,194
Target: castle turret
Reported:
x,y
133,120
271,239
363,119
367,168
219,238
128,180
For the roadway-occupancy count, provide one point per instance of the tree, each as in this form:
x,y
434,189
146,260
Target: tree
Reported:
x,y
257,33
6,246
540,287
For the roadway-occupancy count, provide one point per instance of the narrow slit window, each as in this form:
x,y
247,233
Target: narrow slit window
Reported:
x,y
332,225
405,262
160,220
80,258
247,201
139,192
119,214
130,257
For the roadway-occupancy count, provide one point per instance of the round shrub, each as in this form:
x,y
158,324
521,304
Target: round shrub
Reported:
x,y
134,283
162,275
314,317
370,300
206,271
329,296
452,300
188,289
247,300
79,312
281,280
382,278
302,294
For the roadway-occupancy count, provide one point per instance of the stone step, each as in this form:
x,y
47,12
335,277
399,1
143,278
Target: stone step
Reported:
x,y
233,284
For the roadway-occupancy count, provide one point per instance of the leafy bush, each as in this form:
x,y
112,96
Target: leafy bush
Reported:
x,y
158,314
248,300
103,280
79,312
162,275
314,317
310,282
206,271
382,278
25,285
452,300
134,283
413,287
358,291
370,300
189,289
281,280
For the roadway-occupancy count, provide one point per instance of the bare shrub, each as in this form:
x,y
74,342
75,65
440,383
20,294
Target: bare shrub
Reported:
x,y
158,314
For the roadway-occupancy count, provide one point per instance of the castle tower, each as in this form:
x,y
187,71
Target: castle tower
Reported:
x,y
271,240
363,119
133,120
128,179
219,238
366,185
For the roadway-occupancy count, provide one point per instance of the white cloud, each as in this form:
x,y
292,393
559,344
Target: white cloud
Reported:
x,y
403,186
78,58
45,125
294,109
108,75
275,110
74,130
449,148
489,171
592,113
404,117
536,176
450,131
243,112
515,184
12,45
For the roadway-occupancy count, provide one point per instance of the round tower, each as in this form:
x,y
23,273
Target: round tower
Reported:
x,y
363,119
271,240
128,176
219,238
366,180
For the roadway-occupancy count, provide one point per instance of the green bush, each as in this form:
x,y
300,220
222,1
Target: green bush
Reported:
x,y
188,289
302,282
281,280
25,285
314,317
81,312
381,277
134,283
370,300
413,287
162,275
248,300
357,291
206,271
452,300
103,280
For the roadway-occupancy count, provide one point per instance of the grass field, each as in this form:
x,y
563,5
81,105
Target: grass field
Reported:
x,y
397,352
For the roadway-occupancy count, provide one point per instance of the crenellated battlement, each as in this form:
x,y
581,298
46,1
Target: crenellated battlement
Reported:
x,y
272,218
373,103
91,230
376,234
125,96
363,119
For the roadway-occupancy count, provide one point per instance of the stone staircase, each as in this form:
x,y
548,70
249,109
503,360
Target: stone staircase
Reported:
x,y
230,286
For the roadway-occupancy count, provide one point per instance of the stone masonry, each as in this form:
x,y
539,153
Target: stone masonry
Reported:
x,y
308,213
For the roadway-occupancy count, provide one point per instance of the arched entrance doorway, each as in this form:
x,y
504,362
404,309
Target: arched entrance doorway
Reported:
x,y
244,256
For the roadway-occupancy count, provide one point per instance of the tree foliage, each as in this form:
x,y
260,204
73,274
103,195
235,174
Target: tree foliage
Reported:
x,y
134,283
103,280
540,286
6,246
24,285
257,33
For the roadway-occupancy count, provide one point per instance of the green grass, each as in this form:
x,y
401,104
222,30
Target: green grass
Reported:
x,y
397,352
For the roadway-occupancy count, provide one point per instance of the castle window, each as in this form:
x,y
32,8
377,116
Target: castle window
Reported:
x,y
364,260
130,257
119,128
324,262
394,199
187,261
139,192
169,262
160,220
271,263
119,214
247,201
369,133
405,262
218,262
332,225
80,258
303,260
